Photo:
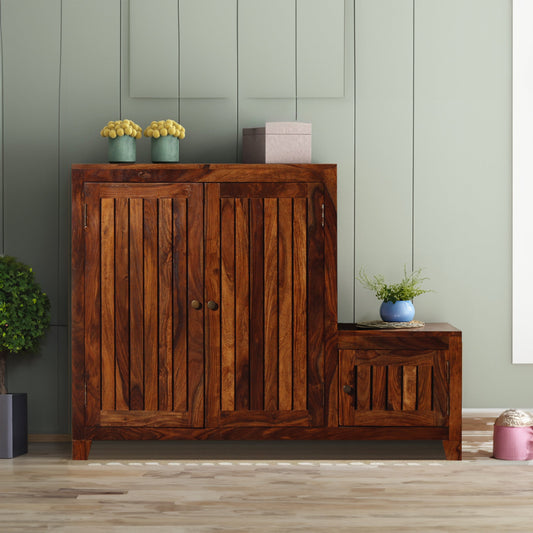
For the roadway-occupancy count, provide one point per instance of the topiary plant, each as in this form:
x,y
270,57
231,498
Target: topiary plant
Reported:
x,y
24,312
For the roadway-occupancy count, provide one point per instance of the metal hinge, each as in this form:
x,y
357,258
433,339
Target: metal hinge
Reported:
x,y
84,215
323,215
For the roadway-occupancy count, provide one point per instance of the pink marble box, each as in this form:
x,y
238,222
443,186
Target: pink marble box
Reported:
x,y
277,142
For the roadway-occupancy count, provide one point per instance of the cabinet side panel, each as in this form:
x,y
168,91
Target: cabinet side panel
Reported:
x,y
78,312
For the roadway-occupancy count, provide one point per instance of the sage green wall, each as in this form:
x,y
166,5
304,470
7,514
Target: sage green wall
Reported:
x,y
412,99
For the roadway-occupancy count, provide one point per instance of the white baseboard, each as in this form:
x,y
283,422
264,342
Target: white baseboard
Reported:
x,y
491,411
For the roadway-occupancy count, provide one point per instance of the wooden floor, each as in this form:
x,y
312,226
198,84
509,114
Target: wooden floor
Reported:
x,y
276,486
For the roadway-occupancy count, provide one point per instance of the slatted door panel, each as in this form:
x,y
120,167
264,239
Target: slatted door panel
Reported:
x,y
380,387
265,259
144,344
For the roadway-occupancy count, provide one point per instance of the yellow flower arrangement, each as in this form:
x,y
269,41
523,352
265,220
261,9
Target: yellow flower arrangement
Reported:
x,y
162,128
119,128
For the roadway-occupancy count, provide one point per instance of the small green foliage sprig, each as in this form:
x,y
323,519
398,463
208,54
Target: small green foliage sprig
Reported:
x,y
24,307
407,289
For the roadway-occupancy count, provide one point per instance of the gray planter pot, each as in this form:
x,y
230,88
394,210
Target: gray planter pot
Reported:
x,y
13,425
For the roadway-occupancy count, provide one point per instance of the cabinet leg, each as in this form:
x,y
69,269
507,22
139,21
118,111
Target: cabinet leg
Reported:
x,y
452,449
81,449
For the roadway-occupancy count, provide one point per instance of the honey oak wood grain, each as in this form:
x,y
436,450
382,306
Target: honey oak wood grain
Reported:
x,y
165,322
299,280
419,383
107,268
242,304
227,281
258,241
257,314
122,304
151,304
181,304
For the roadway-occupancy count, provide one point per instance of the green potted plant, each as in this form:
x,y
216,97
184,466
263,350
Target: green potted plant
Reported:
x,y
24,319
397,298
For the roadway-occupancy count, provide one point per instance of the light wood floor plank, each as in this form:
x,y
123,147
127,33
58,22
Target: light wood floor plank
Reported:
x,y
267,486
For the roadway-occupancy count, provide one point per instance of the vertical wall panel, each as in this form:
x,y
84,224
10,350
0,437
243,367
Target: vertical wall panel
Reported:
x,y
383,137
89,98
31,37
320,48
463,187
37,374
153,45
267,62
461,128
30,64
208,80
156,105
208,46
1,138
333,138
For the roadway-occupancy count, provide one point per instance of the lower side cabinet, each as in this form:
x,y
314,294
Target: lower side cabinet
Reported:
x,y
402,384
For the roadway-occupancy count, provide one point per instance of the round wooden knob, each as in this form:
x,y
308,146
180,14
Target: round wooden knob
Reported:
x,y
195,304
212,305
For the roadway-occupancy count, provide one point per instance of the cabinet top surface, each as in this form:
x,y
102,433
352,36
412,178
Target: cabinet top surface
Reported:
x,y
234,172
434,327
186,166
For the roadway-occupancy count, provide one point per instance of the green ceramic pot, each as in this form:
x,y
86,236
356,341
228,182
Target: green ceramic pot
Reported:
x,y
166,149
122,149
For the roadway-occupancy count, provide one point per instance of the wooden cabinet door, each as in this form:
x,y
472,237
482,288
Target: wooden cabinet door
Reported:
x,y
143,267
265,276
393,388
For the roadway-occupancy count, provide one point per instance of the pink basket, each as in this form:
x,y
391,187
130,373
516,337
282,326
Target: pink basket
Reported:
x,y
513,443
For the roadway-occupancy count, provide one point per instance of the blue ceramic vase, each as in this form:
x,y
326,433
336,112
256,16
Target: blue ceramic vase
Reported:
x,y
401,311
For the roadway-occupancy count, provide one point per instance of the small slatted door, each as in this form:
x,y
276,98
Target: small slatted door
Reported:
x,y
144,342
393,388
265,271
